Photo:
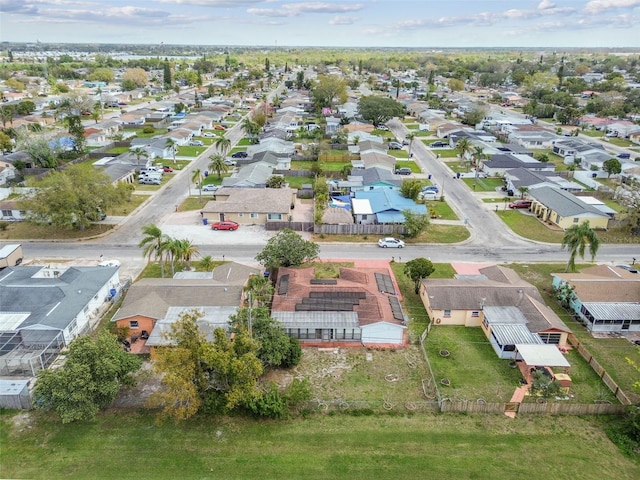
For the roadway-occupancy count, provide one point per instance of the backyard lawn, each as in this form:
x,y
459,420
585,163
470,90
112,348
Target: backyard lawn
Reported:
x,y
322,446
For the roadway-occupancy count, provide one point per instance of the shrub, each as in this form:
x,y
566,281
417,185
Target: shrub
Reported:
x,y
148,129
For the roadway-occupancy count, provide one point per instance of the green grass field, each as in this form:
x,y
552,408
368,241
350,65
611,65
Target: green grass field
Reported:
x,y
396,446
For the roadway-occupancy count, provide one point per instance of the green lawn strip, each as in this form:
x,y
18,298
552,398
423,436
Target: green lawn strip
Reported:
x,y
406,163
398,153
243,142
297,182
117,150
444,234
21,230
189,151
441,209
484,184
320,447
621,142
444,152
127,207
528,226
593,133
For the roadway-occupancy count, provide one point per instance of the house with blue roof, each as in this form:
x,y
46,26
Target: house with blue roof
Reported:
x,y
383,205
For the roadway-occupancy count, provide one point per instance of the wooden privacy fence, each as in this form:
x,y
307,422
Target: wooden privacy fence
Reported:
x,y
469,406
600,371
359,229
295,226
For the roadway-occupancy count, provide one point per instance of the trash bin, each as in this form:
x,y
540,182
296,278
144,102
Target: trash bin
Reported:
x,y
429,177
204,221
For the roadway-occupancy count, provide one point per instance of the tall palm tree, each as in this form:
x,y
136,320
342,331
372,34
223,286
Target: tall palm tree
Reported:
x,y
139,153
174,249
576,238
171,145
410,137
188,251
217,164
197,179
251,129
153,243
464,146
206,263
223,144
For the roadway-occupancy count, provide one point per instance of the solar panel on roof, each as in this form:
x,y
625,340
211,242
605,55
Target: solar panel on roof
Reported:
x,y
385,284
284,284
396,309
339,294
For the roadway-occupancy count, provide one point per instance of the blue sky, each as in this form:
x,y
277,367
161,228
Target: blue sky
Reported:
x,y
362,23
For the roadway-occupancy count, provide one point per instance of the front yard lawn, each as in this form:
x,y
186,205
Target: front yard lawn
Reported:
x,y
441,209
189,151
443,152
22,230
528,226
484,184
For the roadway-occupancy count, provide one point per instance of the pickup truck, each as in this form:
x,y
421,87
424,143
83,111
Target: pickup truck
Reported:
x,y
11,255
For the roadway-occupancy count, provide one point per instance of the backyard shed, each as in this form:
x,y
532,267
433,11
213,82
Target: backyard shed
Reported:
x,y
14,394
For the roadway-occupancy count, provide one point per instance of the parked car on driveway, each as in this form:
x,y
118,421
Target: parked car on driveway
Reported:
x,y
196,143
395,146
225,225
390,242
208,134
439,145
210,187
149,181
428,195
167,169
229,162
403,171
240,155
520,204
431,187
219,127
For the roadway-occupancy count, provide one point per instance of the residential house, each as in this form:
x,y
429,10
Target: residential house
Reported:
x,y
133,118
273,145
155,147
273,160
529,136
564,209
521,178
7,171
605,298
42,309
372,178
332,126
250,206
509,310
572,149
253,175
384,206
180,136
499,164
152,305
374,159
361,306
11,211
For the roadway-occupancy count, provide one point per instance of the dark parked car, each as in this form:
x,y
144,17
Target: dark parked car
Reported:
x,y
403,171
225,225
240,155
439,144
520,204
395,146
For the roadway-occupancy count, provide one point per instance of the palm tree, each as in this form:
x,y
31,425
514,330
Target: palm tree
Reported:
x,y
523,190
251,129
153,243
410,137
576,239
217,164
173,247
223,144
464,146
259,290
197,179
478,154
188,251
206,263
139,153
171,145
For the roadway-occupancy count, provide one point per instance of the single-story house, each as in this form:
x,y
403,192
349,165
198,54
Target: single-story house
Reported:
x,y
564,209
385,206
500,163
250,205
360,306
523,178
500,302
42,309
606,298
254,175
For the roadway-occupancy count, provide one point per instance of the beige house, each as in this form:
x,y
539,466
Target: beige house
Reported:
x,y
467,300
563,209
250,206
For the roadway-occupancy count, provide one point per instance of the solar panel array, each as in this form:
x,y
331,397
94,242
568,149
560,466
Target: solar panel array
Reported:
x,y
284,284
341,294
385,285
343,301
396,309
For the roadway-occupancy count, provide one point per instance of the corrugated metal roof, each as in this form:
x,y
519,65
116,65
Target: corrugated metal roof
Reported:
x,y
509,315
511,334
317,319
613,311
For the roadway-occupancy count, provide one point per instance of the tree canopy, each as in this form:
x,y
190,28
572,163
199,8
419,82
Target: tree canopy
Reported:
x,y
418,269
612,166
73,198
90,379
415,223
328,90
379,110
287,249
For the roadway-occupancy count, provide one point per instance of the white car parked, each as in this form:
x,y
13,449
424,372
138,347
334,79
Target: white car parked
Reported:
x,y
390,242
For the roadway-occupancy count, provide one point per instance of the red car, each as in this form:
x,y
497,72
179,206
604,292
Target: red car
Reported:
x,y
520,204
227,225
167,169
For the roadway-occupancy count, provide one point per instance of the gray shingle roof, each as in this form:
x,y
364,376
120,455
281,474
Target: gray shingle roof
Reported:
x,y
563,203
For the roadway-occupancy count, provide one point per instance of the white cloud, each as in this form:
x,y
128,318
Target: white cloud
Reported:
x,y
598,6
297,9
342,20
